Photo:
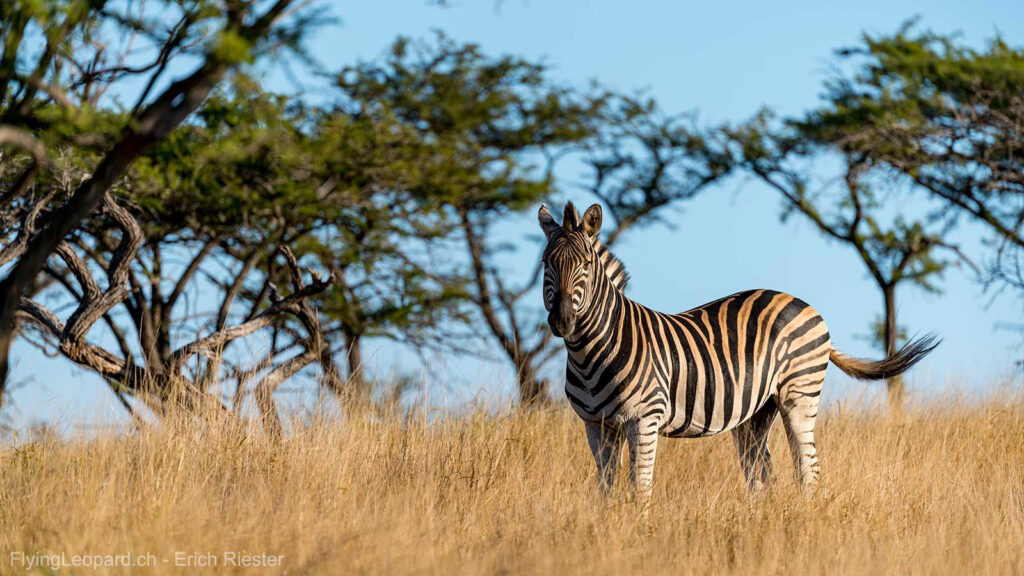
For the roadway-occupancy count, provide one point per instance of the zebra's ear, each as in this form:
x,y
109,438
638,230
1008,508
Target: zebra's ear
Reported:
x,y
547,222
592,220
571,218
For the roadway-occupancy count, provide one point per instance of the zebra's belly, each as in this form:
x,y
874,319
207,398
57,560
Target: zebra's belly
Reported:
x,y
701,427
687,408
713,409
680,419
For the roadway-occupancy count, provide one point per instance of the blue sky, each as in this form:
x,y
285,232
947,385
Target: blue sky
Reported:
x,y
724,60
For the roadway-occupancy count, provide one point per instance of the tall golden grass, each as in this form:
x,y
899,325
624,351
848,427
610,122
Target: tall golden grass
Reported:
x,y
937,490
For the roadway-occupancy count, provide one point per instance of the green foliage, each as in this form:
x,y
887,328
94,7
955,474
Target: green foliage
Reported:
x,y
918,82
487,115
348,193
232,48
945,116
241,167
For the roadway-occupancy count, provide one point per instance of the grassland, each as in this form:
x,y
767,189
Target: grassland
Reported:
x,y
937,490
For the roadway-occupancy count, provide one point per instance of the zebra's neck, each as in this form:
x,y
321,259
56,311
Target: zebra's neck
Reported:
x,y
614,269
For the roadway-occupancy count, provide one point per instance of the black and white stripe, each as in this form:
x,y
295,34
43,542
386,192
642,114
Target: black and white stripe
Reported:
x,y
634,374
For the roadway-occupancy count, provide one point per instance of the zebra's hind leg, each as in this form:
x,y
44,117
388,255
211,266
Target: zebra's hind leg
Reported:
x,y
798,404
751,439
606,446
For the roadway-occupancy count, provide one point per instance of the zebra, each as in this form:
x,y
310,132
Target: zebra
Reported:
x,y
634,374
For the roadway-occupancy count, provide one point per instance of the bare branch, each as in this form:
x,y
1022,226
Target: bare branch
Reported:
x,y
218,339
147,127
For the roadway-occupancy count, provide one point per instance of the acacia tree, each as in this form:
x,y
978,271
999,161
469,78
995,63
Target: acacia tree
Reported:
x,y
948,118
376,227
895,251
288,179
161,238
55,90
503,126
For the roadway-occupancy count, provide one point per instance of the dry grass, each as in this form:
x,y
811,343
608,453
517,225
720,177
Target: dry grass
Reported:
x,y
938,490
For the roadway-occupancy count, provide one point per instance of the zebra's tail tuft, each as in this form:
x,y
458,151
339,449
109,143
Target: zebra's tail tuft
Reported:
x,y
911,353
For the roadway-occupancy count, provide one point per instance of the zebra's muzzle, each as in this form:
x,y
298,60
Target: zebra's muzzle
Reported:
x,y
562,319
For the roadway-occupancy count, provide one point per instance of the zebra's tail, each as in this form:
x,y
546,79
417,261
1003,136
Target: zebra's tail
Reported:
x,y
911,353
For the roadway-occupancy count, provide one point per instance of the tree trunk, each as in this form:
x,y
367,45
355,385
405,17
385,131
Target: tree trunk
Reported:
x,y
354,358
896,390
532,391
269,417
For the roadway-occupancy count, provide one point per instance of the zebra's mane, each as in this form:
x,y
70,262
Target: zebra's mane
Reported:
x,y
614,269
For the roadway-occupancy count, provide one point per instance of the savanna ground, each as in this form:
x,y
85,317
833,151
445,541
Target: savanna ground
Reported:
x,y
938,489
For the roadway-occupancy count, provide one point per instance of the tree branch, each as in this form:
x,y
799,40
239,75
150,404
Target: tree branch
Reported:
x,y
147,127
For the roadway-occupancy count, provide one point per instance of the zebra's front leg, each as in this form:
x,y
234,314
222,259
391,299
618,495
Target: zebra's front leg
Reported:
x,y
642,440
606,446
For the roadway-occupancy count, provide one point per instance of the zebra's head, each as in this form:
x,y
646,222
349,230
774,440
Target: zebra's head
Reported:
x,y
570,265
